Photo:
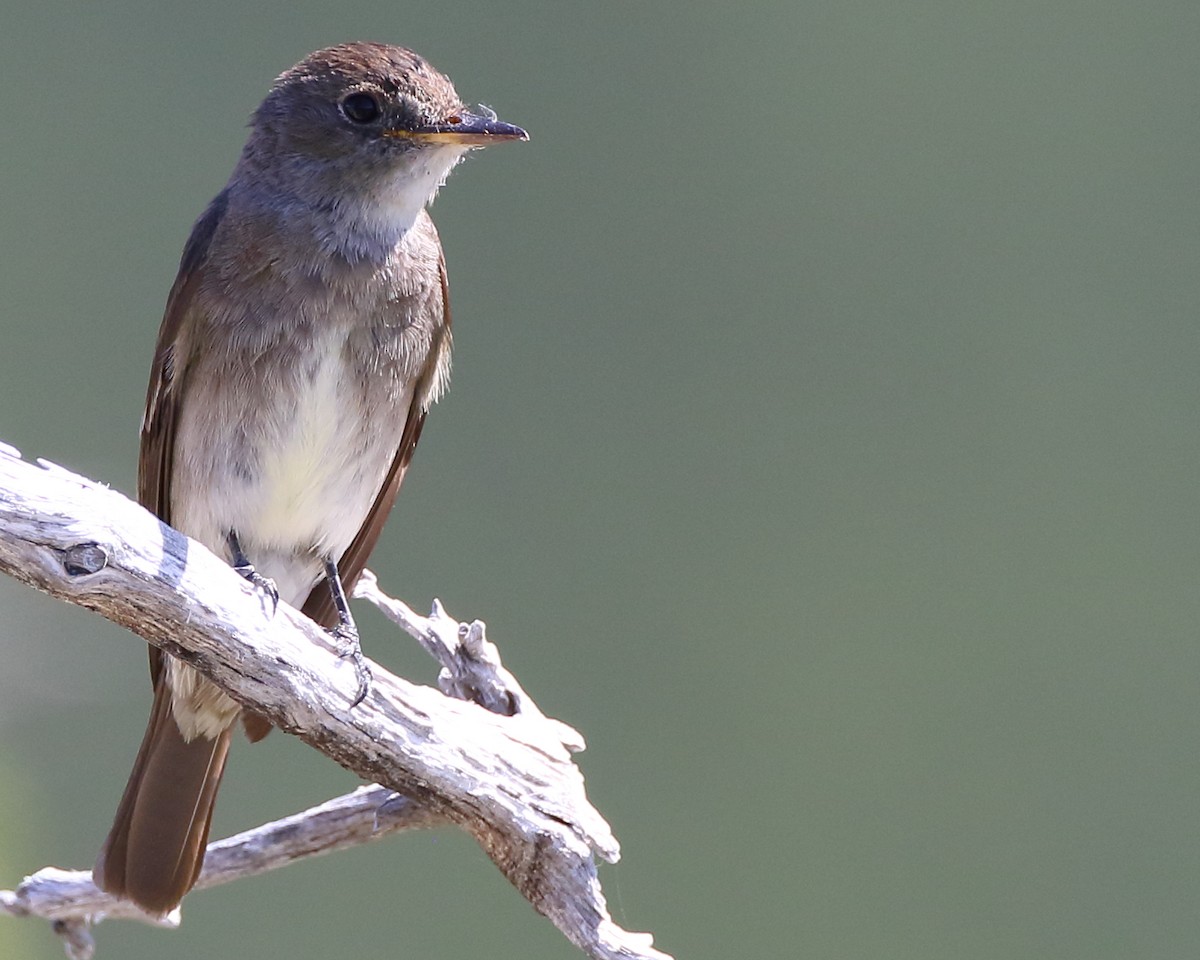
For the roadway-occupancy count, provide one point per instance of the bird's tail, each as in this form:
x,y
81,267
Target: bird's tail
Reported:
x,y
155,849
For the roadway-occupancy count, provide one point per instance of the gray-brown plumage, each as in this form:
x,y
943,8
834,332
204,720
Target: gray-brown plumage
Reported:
x,y
304,340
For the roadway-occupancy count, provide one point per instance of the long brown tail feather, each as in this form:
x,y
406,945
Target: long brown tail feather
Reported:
x,y
155,849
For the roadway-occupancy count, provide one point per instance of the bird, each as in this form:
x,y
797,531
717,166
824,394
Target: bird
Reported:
x,y
304,340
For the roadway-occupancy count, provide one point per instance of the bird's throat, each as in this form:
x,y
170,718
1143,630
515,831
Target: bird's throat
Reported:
x,y
371,223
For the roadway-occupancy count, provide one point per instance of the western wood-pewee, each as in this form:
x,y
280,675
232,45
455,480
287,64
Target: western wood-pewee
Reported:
x,y
304,340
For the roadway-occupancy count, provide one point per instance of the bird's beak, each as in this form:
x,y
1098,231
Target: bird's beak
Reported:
x,y
465,130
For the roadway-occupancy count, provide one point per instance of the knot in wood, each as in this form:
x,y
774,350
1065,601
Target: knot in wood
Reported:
x,y
84,558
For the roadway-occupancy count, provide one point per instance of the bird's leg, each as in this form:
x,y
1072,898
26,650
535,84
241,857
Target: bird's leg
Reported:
x,y
245,568
347,633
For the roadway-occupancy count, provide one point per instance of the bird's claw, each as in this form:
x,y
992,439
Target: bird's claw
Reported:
x,y
265,584
346,637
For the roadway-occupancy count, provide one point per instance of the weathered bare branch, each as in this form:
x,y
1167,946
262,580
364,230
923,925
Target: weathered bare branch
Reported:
x,y
73,902
508,780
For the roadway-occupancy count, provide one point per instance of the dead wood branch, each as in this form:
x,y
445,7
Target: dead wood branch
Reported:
x,y
507,780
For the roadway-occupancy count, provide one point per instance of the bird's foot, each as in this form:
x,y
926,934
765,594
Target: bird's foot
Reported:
x,y
265,584
346,637
245,569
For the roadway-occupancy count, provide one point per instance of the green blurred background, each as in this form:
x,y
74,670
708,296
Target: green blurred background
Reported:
x,y
823,445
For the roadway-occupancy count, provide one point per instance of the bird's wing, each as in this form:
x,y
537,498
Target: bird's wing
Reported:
x,y
163,394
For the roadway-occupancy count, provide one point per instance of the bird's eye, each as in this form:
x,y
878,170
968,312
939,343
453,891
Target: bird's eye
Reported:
x,y
361,108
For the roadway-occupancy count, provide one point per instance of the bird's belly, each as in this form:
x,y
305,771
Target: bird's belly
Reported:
x,y
319,474
294,471
315,483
